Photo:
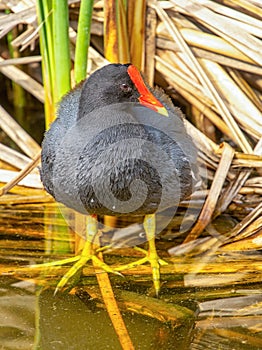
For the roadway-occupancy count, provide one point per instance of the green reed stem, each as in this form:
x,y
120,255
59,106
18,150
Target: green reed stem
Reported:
x,y
61,48
44,13
83,39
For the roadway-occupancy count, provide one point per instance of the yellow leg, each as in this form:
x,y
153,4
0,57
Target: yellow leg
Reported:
x,y
151,255
155,261
86,254
81,259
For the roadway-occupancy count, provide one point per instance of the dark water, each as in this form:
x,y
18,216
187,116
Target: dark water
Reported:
x,y
33,321
226,304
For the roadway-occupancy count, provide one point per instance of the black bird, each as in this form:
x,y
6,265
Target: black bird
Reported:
x,y
118,147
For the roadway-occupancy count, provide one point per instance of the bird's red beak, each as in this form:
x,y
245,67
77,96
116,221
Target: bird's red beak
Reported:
x,y
146,98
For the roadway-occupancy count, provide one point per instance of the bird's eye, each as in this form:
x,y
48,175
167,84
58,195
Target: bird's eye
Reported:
x,y
125,88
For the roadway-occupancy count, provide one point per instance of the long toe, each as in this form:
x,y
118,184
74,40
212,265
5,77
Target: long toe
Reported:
x,y
73,272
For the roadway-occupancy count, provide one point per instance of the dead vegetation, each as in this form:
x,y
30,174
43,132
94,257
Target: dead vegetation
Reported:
x,y
207,56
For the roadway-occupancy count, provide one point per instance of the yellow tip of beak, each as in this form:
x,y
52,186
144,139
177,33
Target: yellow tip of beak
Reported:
x,y
162,110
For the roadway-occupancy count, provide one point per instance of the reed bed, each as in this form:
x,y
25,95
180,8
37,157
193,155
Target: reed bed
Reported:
x,y
207,56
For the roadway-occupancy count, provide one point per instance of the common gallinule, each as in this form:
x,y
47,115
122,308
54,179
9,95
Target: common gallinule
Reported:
x,y
117,147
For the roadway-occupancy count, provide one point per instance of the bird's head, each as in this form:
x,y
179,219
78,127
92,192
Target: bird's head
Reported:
x,y
117,83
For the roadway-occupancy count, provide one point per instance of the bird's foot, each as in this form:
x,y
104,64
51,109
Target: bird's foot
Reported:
x,y
155,262
79,262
